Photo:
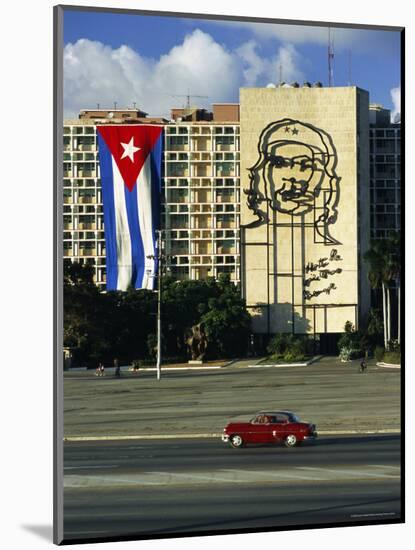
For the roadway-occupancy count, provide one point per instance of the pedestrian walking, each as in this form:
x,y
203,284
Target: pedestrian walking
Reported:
x,y
363,366
99,371
117,372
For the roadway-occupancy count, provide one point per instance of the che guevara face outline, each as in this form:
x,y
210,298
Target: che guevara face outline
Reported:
x,y
295,171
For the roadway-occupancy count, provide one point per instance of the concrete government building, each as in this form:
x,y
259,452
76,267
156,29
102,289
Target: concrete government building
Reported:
x,y
281,191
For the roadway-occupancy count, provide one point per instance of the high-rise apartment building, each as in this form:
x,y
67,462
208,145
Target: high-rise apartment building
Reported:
x,y
385,173
201,190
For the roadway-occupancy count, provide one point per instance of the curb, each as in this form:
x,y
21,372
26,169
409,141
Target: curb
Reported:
x,y
304,364
168,369
388,365
215,435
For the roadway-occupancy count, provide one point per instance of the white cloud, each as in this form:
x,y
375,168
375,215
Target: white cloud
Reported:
x,y
288,59
96,73
396,100
258,70
253,65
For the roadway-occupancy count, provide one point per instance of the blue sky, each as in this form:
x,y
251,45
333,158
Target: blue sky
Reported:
x,y
149,59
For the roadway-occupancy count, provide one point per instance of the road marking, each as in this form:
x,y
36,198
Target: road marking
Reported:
x,y
385,466
91,467
96,481
281,475
355,473
189,476
298,473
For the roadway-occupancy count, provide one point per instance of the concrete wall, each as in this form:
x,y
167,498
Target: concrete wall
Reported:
x,y
303,180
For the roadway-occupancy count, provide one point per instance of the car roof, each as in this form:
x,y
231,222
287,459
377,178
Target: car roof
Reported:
x,y
275,412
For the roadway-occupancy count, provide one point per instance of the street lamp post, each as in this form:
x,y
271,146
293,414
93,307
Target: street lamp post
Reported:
x,y
160,258
159,275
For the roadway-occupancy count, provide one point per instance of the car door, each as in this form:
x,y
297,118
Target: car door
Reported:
x,y
279,428
259,431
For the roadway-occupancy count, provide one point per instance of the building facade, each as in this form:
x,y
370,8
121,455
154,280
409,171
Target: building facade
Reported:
x,y
304,223
385,173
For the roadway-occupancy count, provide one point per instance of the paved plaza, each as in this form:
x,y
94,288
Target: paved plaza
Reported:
x,y
331,394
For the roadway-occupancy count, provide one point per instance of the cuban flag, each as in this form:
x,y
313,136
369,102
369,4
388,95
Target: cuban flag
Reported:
x,y
130,163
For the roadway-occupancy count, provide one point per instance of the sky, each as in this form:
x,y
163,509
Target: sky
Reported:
x,y
154,62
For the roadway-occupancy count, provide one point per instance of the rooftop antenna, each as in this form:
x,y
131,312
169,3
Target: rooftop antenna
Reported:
x,y
98,106
330,53
280,74
115,105
187,96
134,105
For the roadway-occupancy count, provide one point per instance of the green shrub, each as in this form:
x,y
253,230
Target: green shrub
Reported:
x,y
287,347
291,356
379,353
278,344
393,357
345,353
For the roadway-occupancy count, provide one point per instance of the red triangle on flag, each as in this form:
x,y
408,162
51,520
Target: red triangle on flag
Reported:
x,y
130,145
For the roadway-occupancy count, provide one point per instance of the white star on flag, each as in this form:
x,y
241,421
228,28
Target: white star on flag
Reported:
x,y
129,149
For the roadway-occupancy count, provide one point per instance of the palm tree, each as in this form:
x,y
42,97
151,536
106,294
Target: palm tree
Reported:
x,y
384,266
394,266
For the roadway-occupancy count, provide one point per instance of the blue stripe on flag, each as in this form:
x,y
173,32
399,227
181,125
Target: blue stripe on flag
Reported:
x,y
107,185
137,248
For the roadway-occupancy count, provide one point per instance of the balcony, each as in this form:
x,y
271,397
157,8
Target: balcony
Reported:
x,y
225,224
87,173
87,225
87,252
178,147
205,248
225,147
202,222
87,200
225,198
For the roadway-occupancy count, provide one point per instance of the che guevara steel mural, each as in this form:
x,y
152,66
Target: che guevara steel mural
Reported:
x,y
296,174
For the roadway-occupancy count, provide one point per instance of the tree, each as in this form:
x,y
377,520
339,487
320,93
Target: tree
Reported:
x,y
384,266
83,312
101,326
227,321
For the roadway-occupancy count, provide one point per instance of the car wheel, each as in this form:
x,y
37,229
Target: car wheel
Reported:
x,y
236,441
290,440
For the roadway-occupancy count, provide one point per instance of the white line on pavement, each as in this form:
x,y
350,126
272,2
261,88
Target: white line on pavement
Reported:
x,y
281,475
100,466
355,473
210,478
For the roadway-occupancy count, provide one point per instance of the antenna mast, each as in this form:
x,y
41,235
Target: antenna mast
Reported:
x,y
330,53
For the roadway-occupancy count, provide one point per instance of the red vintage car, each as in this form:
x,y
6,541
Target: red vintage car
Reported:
x,y
269,427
